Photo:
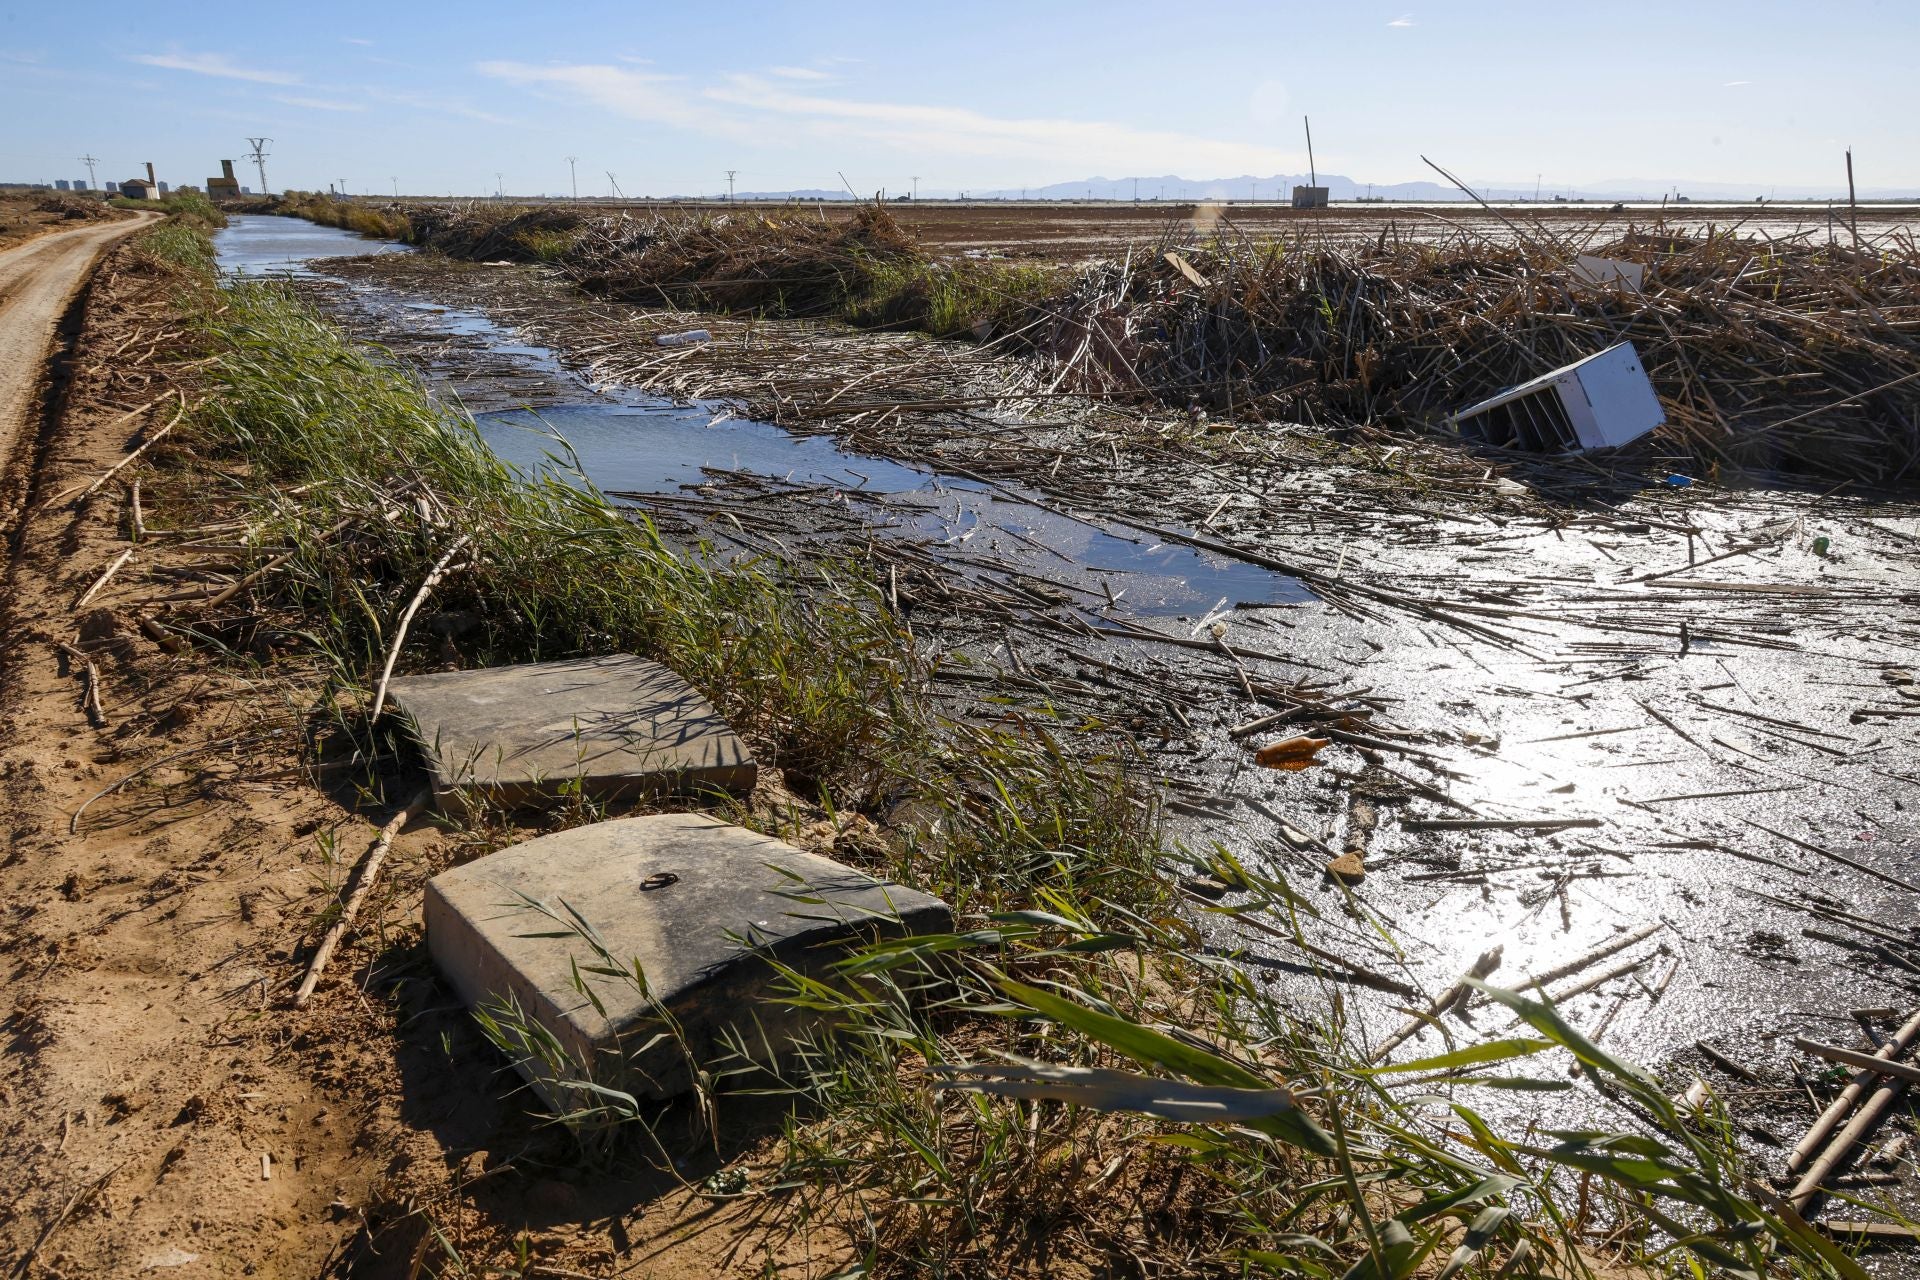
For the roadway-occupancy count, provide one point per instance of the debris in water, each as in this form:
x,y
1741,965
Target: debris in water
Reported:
x,y
1291,753
1347,868
1601,402
1595,269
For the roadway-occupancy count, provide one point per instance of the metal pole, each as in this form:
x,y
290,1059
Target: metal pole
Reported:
x,y
1313,173
1853,215
574,175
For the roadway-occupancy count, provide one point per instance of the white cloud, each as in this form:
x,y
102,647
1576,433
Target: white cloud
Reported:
x,y
436,103
214,64
1404,20
1096,145
1735,84
354,40
321,104
643,95
753,107
799,73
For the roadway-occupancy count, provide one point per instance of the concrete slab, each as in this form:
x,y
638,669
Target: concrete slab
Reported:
x,y
696,903
617,726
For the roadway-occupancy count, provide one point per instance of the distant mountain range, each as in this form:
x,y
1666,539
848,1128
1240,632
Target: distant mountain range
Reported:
x,y
1279,186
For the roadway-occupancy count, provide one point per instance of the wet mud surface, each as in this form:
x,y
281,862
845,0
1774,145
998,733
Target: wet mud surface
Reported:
x,y
1567,707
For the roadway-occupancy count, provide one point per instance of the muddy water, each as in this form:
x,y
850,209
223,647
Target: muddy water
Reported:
x,y
251,245
649,445
1600,710
663,448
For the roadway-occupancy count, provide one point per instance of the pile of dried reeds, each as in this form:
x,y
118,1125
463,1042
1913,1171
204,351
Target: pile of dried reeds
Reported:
x,y
747,261
1766,355
486,232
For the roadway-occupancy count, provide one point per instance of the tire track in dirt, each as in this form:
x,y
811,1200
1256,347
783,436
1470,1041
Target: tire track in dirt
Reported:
x,y
38,282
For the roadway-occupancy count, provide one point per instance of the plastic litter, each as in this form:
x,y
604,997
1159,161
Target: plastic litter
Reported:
x,y
1290,754
685,338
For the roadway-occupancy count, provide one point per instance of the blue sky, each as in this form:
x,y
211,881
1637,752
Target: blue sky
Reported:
x,y
989,93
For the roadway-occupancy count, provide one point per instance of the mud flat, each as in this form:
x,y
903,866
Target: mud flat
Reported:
x,y
1558,712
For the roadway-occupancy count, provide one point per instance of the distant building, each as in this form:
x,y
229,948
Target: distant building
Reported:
x,y
80,184
246,191
112,188
226,186
60,184
163,188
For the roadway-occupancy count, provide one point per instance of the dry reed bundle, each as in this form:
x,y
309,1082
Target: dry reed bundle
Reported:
x,y
739,261
1768,356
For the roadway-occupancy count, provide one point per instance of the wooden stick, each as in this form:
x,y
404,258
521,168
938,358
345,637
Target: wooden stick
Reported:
x,y
161,636
101,581
95,711
1837,1109
240,584
113,470
406,620
1853,1058
1725,1063
1870,1114
73,1202
1486,964
1594,956
363,882
1840,858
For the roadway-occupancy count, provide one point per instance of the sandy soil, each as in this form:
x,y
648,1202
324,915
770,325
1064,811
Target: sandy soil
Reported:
x,y
164,1109
38,282
23,217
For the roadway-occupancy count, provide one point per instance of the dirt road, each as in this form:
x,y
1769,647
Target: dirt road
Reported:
x,y
38,282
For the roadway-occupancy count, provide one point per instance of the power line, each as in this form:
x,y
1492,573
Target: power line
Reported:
x,y
90,160
259,156
574,175
730,174
916,190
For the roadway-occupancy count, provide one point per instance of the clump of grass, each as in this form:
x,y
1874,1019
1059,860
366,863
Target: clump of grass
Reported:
x,y
1043,1088
805,660
377,222
952,299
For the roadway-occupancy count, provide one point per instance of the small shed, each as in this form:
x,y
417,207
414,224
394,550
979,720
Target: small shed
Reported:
x,y
1310,197
139,189
226,186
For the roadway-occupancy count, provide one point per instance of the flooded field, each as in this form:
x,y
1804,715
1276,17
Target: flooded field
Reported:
x,y
1076,230
1678,722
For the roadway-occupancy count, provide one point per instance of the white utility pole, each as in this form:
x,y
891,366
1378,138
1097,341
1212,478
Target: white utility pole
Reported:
x,y
730,174
574,175
259,157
